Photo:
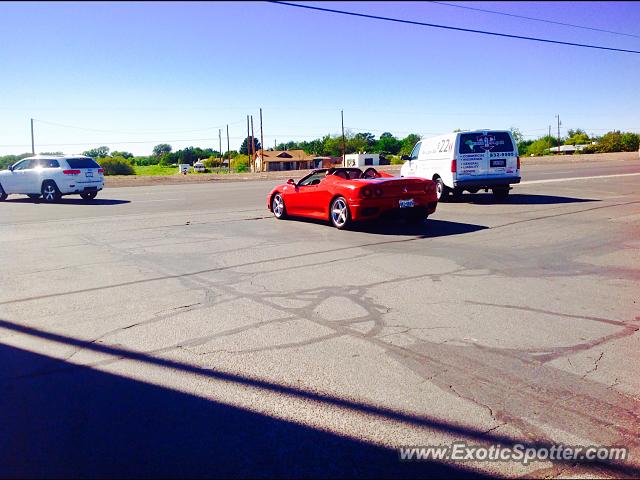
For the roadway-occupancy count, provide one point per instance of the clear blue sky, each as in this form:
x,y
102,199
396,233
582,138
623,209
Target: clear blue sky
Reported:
x,y
173,72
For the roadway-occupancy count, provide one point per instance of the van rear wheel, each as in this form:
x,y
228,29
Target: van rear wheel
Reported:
x,y
500,193
442,191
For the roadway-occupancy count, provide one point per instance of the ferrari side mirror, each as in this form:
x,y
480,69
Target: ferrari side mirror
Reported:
x,y
291,182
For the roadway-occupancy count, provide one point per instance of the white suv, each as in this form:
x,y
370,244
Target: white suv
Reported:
x,y
52,177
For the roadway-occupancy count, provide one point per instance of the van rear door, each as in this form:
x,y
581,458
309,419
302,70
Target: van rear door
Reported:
x,y
487,153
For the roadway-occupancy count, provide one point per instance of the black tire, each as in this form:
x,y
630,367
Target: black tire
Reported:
x,y
456,194
50,192
442,191
3,194
88,195
33,196
339,213
278,207
500,193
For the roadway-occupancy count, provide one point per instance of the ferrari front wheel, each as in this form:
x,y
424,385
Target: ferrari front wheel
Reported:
x,y
277,206
340,216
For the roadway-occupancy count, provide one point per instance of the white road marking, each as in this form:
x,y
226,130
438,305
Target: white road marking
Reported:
x,y
553,180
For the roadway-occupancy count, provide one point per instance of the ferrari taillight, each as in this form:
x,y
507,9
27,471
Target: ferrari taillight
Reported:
x,y
365,192
378,192
430,187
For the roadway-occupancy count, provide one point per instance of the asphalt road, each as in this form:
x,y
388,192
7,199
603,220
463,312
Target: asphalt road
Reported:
x,y
180,330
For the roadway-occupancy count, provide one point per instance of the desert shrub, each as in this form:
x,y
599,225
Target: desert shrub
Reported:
x,y
116,166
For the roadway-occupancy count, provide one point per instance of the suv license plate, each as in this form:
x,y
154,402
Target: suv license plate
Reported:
x,y
89,174
406,203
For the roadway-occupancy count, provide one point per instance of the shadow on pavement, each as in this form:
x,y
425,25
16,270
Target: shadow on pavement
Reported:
x,y
429,229
70,201
66,420
81,422
518,199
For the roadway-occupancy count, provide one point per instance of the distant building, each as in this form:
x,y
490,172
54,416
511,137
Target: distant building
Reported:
x,y
279,160
326,162
363,160
567,149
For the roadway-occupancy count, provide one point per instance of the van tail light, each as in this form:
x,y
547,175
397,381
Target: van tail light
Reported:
x,y
365,192
518,163
101,170
453,166
71,172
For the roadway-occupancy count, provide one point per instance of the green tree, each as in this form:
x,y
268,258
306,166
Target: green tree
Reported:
x,y
408,143
388,144
579,138
160,149
245,143
611,142
97,152
540,146
122,154
630,142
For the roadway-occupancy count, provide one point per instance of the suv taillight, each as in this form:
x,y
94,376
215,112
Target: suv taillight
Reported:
x,y
453,166
101,170
71,172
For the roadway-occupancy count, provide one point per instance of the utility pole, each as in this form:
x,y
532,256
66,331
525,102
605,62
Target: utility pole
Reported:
x,y
549,139
228,155
248,147
261,141
343,144
220,143
33,148
253,147
559,123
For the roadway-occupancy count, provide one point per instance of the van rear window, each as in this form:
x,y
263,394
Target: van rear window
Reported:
x,y
480,143
82,163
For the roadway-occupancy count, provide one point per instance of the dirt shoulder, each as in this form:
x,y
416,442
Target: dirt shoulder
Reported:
x,y
139,181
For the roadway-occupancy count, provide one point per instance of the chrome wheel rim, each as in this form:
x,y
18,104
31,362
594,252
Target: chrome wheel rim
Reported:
x,y
49,192
278,206
438,189
339,212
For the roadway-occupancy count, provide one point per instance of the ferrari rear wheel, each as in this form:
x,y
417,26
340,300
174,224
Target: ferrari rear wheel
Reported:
x,y
340,216
277,206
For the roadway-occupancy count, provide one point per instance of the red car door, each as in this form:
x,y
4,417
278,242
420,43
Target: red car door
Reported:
x,y
303,199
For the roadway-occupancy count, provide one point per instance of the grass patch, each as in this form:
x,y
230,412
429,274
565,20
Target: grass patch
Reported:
x,y
155,170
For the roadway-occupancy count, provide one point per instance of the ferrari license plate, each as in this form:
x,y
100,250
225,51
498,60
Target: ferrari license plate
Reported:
x,y
406,203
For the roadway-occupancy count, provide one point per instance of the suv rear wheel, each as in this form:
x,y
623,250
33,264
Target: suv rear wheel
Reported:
x,y
88,195
3,194
50,192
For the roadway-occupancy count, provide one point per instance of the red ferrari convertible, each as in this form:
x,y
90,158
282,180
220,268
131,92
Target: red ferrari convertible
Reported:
x,y
346,195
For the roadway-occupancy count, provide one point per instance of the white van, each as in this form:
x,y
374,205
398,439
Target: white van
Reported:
x,y
471,161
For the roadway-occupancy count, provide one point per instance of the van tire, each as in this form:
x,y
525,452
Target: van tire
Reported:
x,y
442,191
500,193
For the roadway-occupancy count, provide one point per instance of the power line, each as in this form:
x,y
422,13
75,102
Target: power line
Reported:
x,y
447,27
133,132
536,19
